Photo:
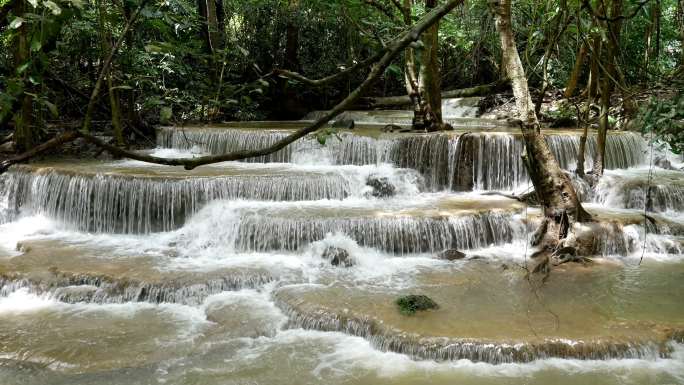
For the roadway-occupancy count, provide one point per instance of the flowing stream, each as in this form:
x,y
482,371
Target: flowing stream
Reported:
x,y
120,272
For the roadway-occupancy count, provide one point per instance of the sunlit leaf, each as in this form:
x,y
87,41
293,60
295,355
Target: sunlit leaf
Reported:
x,y
16,23
53,108
53,7
22,68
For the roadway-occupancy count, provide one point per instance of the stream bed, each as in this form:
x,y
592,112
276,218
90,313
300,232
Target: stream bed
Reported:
x,y
119,272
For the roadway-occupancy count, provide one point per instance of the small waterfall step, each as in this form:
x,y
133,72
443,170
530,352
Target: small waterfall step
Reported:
x,y
426,224
462,160
89,273
64,340
485,314
630,189
133,197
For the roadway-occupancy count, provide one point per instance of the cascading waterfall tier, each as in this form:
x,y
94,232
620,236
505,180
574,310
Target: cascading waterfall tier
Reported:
x,y
119,203
478,294
444,349
232,247
103,289
397,234
656,190
457,161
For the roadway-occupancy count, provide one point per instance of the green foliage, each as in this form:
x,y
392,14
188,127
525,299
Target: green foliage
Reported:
x,y
164,64
664,118
324,134
410,304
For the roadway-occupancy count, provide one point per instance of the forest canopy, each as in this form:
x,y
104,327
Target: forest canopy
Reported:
x,y
208,60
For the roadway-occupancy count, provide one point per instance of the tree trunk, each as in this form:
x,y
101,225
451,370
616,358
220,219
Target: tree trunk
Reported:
x,y
560,203
23,134
680,22
292,37
608,56
411,74
571,86
429,84
582,149
105,37
211,31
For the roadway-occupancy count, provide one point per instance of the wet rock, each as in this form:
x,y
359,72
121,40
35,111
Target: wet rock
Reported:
x,y
662,162
343,123
410,304
451,255
382,188
75,294
338,257
22,248
391,128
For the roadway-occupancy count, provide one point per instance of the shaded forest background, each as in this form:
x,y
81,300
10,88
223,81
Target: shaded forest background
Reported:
x,y
210,60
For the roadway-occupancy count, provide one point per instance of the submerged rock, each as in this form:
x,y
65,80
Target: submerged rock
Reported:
x,y
338,257
410,304
391,128
382,188
664,163
451,255
343,123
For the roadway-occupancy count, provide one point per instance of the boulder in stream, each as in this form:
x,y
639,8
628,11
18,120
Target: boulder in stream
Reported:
x,y
338,256
382,188
664,163
410,304
451,255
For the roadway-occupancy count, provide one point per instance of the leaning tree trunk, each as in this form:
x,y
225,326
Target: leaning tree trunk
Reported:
x,y
559,200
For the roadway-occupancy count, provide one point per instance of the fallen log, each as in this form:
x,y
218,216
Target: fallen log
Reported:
x,y
405,100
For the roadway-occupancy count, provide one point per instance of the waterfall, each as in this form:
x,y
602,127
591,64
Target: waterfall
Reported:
x,y
448,349
122,204
99,289
426,153
631,191
481,161
222,141
399,235
623,150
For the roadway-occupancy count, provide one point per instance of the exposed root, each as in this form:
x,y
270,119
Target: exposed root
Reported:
x,y
539,234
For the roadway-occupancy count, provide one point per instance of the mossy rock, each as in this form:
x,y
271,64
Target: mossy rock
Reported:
x,y
410,304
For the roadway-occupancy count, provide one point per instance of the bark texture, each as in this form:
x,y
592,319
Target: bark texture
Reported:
x,y
556,194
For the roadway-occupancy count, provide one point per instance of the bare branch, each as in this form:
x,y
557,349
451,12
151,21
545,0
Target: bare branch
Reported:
x,y
328,79
640,5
